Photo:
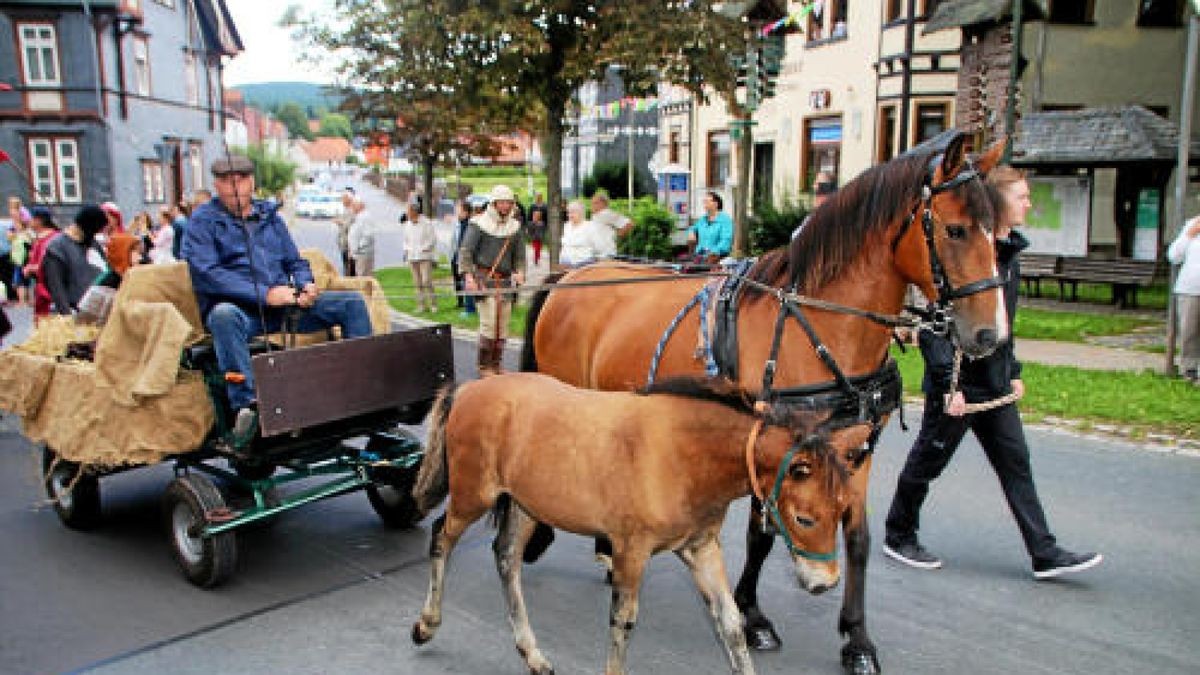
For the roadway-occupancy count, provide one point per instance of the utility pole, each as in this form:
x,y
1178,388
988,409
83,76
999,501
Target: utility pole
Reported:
x,y
1181,168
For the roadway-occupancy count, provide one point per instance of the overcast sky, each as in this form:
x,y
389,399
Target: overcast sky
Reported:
x,y
270,54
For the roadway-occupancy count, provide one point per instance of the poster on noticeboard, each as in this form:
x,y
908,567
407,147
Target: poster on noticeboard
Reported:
x,y
1058,222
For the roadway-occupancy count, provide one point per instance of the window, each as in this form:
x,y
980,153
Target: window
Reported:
x,y
892,10
822,149
39,49
54,164
887,134
191,80
153,186
828,19
1160,13
718,158
930,121
196,165
1071,11
141,66
673,146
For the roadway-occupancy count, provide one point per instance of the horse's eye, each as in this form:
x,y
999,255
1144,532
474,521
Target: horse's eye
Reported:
x,y
800,470
958,232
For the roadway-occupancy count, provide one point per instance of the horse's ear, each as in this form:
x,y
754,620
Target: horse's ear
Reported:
x,y
952,158
991,158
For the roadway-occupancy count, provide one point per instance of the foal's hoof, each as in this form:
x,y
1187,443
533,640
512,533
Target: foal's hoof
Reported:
x,y
421,634
762,638
860,663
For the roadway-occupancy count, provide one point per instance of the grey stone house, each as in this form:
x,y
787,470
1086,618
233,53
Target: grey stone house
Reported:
x,y
111,100
603,135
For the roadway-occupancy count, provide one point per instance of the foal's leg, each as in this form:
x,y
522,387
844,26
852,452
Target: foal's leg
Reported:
x,y
628,565
760,634
510,541
446,532
708,569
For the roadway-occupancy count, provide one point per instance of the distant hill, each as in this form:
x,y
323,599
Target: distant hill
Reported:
x,y
268,95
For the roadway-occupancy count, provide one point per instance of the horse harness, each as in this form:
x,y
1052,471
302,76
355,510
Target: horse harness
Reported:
x,y
864,399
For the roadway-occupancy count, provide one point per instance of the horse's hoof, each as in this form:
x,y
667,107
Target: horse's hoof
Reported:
x,y
762,639
860,663
421,635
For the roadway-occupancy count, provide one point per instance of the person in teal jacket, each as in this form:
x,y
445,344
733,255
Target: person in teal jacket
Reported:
x,y
712,233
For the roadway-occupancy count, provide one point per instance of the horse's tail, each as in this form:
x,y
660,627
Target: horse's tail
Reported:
x,y
528,355
433,480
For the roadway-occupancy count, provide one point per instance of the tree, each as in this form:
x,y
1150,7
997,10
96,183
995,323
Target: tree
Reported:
x,y
293,117
273,173
335,124
410,75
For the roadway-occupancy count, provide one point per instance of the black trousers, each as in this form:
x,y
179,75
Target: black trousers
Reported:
x,y
1003,439
6,277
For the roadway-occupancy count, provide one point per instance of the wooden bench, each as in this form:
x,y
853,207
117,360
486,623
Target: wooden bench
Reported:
x,y
1123,274
1038,266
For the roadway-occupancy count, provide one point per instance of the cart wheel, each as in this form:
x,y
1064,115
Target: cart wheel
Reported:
x,y
76,497
391,492
206,562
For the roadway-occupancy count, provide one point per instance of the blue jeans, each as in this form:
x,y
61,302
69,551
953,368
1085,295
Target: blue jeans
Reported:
x,y
232,327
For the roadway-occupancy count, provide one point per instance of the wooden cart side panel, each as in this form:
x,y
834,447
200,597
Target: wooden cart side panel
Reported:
x,y
301,388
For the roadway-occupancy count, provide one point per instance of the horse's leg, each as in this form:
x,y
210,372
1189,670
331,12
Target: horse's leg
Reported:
x,y
708,570
604,552
446,532
760,634
858,654
629,563
515,531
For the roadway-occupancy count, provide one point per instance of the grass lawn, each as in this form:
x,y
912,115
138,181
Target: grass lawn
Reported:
x,y
397,285
1042,324
482,179
1141,402
1151,297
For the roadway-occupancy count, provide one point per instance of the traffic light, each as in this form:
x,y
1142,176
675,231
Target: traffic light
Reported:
x,y
754,79
772,63
738,63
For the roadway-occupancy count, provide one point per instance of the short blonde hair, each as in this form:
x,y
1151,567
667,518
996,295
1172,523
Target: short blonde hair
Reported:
x,y
1004,175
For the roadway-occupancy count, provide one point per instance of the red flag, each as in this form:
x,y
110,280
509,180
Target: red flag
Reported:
x,y
4,156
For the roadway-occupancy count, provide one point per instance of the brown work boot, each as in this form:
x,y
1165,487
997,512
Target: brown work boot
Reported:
x,y
484,360
498,356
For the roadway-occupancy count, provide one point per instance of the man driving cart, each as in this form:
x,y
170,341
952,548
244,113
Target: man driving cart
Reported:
x,y
248,275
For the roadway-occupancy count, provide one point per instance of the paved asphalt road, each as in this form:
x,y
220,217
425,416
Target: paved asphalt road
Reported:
x,y
327,589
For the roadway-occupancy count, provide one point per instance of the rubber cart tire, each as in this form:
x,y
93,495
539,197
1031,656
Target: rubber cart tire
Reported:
x,y
205,561
391,492
76,497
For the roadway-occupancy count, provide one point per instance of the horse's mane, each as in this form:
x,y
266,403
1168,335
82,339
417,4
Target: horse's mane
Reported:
x,y
836,231
716,389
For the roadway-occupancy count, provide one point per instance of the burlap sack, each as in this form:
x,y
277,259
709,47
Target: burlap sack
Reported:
x,y
24,379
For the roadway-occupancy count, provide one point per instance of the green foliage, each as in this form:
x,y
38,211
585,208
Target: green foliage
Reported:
x,y
613,178
295,119
273,173
1154,296
771,225
650,236
1143,401
1040,324
336,124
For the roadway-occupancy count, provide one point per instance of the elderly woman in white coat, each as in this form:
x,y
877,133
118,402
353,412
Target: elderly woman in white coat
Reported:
x,y
419,242
1185,252
583,241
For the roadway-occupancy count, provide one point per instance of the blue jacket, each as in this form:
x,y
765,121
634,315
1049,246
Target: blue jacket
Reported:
x,y
713,236
215,246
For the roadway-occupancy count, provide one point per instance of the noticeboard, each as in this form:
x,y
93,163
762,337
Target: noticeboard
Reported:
x,y
1058,222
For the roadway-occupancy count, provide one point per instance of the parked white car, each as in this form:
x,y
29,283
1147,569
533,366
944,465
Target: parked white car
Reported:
x,y
318,205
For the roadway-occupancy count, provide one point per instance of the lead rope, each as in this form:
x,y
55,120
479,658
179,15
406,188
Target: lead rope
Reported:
x,y
1010,397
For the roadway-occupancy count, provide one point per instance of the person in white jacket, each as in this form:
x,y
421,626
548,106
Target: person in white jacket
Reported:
x,y
582,240
361,240
419,242
1185,252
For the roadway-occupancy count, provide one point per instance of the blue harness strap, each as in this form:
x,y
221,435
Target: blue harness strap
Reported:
x,y
704,299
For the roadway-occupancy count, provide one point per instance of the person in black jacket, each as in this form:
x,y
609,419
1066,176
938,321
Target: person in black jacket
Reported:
x,y
65,268
999,431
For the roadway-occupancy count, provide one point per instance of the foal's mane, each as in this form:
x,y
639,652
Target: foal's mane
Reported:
x,y
716,389
837,230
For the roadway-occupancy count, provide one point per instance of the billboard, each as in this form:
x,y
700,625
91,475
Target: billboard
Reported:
x,y
1058,222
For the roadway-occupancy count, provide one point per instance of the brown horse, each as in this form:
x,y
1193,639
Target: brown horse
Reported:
x,y
652,473
924,218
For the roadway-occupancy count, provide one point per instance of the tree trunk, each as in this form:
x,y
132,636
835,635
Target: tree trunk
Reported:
x,y
741,193
428,162
552,155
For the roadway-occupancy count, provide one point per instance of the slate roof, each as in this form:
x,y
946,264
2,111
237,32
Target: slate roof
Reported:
x,y
959,13
1097,137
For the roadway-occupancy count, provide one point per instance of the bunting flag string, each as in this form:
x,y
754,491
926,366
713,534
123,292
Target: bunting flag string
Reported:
x,y
795,19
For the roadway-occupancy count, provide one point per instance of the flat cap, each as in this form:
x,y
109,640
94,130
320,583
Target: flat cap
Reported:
x,y
232,164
